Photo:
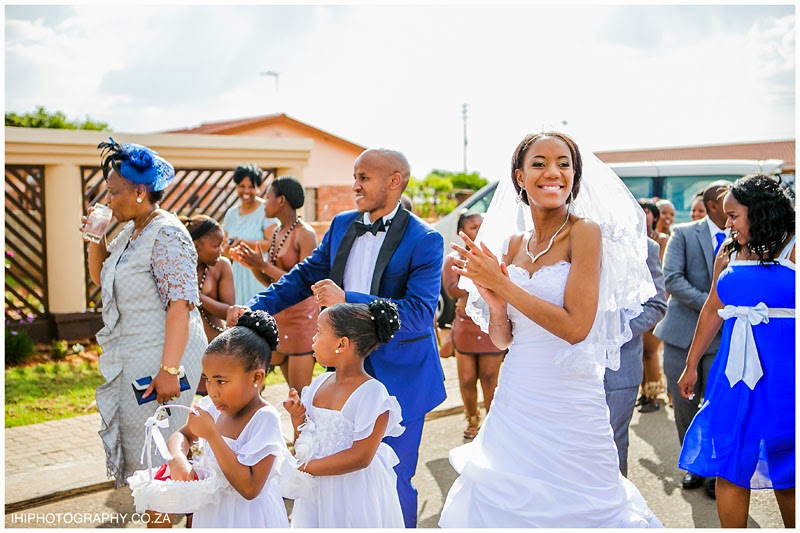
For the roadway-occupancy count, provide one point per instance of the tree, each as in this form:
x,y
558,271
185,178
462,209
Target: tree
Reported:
x,y
435,195
42,119
472,181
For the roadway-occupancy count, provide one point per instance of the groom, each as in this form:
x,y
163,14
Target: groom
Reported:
x,y
380,250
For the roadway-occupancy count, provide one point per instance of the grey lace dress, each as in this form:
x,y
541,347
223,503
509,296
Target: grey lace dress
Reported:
x,y
139,279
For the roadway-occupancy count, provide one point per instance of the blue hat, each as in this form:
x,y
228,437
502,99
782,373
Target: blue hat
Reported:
x,y
138,164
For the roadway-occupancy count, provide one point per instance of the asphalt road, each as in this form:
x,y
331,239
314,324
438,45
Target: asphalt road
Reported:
x,y
652,468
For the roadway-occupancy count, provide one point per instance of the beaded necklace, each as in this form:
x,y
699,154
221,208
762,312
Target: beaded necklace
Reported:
x,y
273,253
200,307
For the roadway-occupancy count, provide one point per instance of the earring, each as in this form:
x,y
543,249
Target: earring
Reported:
x,y
521,192
255,385
139,200
336,350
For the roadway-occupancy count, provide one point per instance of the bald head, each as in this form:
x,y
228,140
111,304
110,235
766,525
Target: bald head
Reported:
x,y
712,199
389,161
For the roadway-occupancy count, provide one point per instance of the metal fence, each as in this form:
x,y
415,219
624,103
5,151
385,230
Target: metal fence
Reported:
x,y
26,244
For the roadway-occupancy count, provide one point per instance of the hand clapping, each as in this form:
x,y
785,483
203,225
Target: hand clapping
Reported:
x,y
249,257
482,267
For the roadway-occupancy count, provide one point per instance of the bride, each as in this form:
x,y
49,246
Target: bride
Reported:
x,y
560,299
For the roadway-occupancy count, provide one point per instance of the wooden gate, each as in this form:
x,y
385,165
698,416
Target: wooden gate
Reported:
x,y
26,245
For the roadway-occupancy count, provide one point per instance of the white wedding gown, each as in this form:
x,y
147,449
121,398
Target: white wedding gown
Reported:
x,y
545,456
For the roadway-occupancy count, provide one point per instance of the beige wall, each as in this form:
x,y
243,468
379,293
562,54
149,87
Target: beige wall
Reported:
x,y
331,161
63,152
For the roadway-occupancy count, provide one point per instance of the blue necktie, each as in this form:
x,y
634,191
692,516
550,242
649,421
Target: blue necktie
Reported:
x,y
720,239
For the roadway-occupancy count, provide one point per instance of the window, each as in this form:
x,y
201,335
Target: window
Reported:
x,y
680,190
639,187
482,203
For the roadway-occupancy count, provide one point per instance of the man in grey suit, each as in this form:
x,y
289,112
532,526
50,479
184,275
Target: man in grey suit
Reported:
x,y
689,269
622,386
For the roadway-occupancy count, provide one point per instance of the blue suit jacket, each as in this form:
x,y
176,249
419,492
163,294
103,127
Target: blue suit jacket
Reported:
x,y
409,272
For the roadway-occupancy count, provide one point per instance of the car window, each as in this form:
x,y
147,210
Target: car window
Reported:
x,y
640,187
482,203
680,190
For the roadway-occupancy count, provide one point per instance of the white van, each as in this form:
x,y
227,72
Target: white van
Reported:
x,y
677,181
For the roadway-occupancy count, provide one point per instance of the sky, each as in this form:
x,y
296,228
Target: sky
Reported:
x,y
616,77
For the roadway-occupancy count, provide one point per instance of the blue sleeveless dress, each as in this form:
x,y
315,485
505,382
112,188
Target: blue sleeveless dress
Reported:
x,y
742,434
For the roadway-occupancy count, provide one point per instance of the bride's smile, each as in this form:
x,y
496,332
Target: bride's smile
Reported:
x,y
547,173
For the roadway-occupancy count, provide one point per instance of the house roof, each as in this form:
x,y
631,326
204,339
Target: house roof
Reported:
x,y
233,126
784,150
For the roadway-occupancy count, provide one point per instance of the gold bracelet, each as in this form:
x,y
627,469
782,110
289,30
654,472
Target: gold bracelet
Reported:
x,y
170,370
501,324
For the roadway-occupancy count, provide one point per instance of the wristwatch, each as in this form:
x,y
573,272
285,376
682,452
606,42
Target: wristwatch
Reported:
x,y
170,370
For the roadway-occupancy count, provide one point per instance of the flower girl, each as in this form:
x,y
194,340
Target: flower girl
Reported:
x,y
341,419
235,431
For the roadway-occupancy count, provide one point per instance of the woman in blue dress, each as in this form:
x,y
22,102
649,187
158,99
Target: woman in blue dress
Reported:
x,y
744,432
246,222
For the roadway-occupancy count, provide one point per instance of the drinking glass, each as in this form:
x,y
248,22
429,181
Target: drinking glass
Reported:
x,y
97,223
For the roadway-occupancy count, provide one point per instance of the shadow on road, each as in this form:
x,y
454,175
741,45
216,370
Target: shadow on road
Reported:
x,y
444,475
658,430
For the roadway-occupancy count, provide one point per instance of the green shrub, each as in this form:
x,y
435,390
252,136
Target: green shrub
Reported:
x,y
60,349
19,346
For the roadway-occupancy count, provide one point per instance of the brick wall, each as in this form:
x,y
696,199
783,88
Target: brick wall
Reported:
x,y
333,199
320,228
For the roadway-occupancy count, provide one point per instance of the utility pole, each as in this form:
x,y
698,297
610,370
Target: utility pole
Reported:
x,y
464,108
272,74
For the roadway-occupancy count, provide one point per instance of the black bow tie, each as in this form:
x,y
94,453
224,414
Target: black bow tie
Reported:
x,y
373,228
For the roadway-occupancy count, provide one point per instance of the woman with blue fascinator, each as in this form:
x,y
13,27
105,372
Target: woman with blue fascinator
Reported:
x,y
152,328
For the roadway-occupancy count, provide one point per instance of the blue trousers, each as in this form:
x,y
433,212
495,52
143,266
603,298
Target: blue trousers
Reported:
x,y
406,446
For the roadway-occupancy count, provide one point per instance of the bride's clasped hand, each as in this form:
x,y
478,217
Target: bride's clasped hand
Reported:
x,y
483,268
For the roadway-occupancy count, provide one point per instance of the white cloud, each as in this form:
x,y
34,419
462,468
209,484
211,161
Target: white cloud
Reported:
x,y
622,77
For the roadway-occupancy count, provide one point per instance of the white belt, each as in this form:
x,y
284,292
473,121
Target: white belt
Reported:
x,y
743,361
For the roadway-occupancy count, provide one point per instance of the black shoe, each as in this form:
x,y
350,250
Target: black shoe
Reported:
x,y
640,401
649,406
711,487
691,481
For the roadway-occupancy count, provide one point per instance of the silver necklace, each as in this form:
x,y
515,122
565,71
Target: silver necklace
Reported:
x,y
549,245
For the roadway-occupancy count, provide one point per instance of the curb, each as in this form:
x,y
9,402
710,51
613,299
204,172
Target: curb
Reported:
x,y
440,413
58,496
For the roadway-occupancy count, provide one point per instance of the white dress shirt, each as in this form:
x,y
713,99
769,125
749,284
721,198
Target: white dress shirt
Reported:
x,y
713,230
360,264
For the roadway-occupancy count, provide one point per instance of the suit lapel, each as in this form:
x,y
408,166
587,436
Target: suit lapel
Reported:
x,y
705,244
339,262
393,237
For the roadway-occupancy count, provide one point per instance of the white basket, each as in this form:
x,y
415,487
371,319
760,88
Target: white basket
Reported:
x,y
171,496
